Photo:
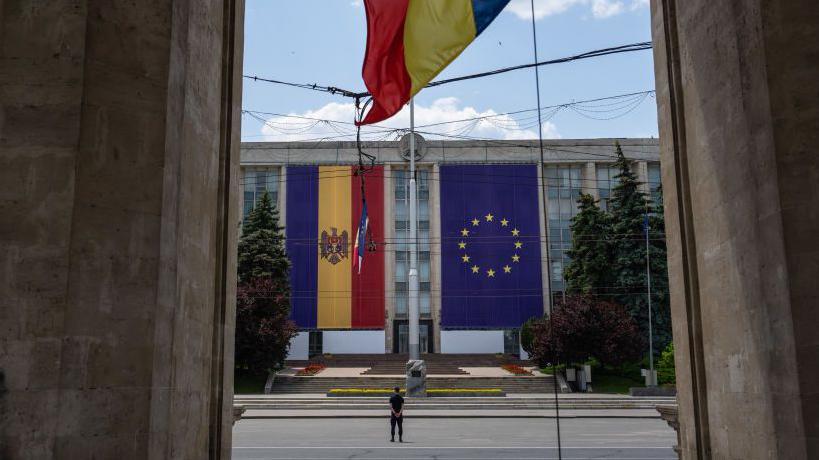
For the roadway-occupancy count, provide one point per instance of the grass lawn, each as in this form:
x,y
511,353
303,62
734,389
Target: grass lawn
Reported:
x,y
610,383
248,384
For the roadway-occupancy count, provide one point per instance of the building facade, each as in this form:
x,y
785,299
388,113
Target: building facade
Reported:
x,y
451,176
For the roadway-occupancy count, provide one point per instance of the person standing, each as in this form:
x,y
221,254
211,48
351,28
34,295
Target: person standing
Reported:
x,y
397,415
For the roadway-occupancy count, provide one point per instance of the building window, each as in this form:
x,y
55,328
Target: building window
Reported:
x,y
256,181
401,242
654,182
563,190
606,181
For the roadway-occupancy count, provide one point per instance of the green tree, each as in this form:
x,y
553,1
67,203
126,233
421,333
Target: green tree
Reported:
x,y
660,300
629,207
527,334
588,269
263,330
261,247
666,371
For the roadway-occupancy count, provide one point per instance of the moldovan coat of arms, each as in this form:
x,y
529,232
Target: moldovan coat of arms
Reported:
x,y
334,246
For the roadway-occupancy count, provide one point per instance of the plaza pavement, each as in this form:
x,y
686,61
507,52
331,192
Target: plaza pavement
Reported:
x,y
453,439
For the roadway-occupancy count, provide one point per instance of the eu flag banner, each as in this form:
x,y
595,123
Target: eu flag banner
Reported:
x,y
324,214
490,249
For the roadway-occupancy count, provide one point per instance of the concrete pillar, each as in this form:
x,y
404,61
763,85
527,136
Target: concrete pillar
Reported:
x,y
389,257
590,185
119,130
435,255
542,209
737,86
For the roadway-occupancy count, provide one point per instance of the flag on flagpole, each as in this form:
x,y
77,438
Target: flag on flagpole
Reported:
x,y
360,243
409,42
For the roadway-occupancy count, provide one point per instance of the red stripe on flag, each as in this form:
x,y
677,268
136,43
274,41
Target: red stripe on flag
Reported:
x,y
368,286
385,71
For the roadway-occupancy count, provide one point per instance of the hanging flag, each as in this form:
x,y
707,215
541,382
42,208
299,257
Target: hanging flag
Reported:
x,y
409,42
324,208
490,251
360,241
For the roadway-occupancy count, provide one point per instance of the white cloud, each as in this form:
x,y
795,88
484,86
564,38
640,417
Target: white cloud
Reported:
x,y
606,8
441,110
637,4
357,3
600,9
543,8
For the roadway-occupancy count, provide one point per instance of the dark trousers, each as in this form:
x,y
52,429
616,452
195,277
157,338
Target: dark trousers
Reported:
x,y
400,422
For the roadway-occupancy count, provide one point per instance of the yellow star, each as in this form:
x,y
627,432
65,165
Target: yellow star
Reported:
x,y
476,269
489,217
461,245
490,273
464,232
515,232
507,269
515,258
518,245
465,258
504,223
475,222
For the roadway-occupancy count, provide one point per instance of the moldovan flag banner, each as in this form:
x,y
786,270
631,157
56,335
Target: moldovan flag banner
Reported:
x,y
323,213
409,42
490,251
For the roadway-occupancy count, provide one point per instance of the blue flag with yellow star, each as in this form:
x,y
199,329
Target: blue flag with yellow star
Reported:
x,y
490,247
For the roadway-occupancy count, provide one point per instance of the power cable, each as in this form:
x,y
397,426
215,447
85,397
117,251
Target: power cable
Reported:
x,y
632,47
546,220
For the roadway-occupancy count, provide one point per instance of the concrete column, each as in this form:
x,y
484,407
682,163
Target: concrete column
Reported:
x,y
641,169
542,207
590,185
435,253
118,167
737,86
389,258
282,202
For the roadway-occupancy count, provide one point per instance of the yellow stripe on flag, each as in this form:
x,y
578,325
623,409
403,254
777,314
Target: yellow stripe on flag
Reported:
x,y
334,283
435,33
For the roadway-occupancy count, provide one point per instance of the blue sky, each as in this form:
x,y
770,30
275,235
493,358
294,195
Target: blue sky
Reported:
x,y
322,41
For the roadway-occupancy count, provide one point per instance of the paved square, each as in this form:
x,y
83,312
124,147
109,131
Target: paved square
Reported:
x,y
453,439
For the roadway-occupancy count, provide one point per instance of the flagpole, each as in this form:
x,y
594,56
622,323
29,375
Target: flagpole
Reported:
x,y
414,348
652,380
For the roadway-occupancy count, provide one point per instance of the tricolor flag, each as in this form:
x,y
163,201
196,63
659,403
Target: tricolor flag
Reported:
x,y
409,42
360,241
330,289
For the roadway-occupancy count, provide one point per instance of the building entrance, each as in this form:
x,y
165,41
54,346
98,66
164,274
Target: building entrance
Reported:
x,y
401,336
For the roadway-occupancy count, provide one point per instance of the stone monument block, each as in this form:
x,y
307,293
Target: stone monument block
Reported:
x,y
416,379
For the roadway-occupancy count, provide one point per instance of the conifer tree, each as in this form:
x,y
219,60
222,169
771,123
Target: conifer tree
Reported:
x,y
629,207
588,270
263,330
660,300
261,247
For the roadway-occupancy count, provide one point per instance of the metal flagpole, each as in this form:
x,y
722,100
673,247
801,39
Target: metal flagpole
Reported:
x,y
652,380
414,349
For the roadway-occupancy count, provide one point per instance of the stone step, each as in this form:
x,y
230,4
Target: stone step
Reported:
x,y
287,384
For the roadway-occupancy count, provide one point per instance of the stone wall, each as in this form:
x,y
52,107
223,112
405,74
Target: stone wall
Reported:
x,y
738,95
116,239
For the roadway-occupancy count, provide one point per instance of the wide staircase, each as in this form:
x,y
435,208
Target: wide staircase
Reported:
x,y
321,385
395,364
387,371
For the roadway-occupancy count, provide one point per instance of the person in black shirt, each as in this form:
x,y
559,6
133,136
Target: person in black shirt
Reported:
x,y
397,415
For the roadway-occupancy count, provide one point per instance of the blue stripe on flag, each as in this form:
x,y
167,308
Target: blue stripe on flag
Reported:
x,y
301,230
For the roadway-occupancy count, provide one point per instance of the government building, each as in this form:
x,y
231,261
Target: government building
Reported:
x,y
482,234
